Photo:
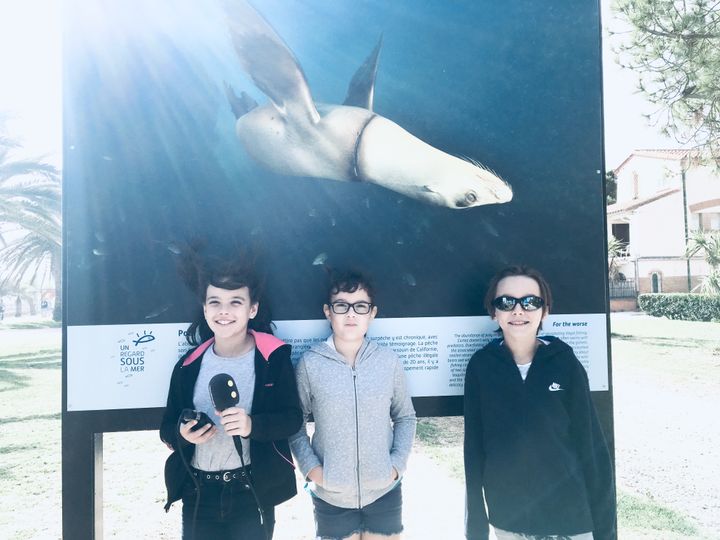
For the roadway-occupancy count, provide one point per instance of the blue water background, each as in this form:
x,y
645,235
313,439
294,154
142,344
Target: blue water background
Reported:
x,y
151,158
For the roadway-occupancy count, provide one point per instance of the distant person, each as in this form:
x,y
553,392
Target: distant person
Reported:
x,y
534,450
229,485
364,421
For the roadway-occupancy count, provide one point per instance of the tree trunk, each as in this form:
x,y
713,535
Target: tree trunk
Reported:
x,y
18,307
56,271
31,304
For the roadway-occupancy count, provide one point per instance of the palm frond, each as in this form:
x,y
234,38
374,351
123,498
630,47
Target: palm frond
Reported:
x,y
22,260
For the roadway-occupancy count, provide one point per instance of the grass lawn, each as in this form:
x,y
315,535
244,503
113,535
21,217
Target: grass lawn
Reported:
x,y
30,394
666,387
664,374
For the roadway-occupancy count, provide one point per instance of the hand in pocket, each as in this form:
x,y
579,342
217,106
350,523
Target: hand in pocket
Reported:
x,y
316,476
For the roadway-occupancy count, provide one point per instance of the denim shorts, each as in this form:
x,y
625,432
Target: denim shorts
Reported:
x,y
383,516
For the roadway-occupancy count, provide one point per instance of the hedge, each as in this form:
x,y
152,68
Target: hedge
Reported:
x,y
682,306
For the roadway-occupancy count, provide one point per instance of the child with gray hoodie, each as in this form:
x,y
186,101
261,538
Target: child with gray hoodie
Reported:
x,y
364,421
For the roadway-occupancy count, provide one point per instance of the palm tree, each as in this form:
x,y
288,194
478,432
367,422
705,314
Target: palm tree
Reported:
x,y
615,249
30,197
707,243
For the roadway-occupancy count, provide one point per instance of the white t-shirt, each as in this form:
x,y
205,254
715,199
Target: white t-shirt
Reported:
x,y
524,369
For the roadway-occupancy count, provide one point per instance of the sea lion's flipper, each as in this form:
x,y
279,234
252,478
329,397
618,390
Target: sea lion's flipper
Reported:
x,y
269,62
362,86
239,105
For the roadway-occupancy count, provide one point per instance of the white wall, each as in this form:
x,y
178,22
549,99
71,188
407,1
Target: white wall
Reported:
x,y
653,175
658,228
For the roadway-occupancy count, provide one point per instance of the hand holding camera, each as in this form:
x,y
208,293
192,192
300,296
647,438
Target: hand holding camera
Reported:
x,y
196,426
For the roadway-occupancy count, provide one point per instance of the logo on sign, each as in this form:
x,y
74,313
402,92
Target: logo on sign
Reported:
x,y
132,358
146,337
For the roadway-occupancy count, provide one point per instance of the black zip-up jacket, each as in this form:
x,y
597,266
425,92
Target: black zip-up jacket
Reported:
x,y
276,414
535,447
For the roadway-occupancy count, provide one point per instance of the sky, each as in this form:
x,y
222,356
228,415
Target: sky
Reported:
x,y
30,75
625,127
31,97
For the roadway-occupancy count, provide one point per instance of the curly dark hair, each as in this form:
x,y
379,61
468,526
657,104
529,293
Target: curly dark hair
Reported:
x,y
349,281
199,271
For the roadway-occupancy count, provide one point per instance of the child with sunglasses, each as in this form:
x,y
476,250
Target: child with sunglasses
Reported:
x,y
534,450
364,421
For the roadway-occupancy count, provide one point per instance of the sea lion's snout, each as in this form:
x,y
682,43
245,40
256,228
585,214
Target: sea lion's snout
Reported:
x,y
478,189
486,195
497,190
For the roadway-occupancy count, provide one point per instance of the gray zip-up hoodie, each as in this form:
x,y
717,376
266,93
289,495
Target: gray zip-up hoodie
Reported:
x,y
364,422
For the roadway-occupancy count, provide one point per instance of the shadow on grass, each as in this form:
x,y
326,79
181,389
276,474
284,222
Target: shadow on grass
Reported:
x,y
427,433
644,513
42,359
667,342
441,439
442,432
35,362
28,325
9,380
12,448
13,419
33,354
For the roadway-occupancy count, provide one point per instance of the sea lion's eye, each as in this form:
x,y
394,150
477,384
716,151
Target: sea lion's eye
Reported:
x,y
470,197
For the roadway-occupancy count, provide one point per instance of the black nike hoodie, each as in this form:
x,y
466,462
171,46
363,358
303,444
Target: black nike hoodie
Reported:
x,y
534,449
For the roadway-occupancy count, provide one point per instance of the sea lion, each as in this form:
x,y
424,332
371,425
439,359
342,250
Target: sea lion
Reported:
x,y
295,136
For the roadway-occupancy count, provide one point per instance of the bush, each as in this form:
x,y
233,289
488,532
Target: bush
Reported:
x,y
681,306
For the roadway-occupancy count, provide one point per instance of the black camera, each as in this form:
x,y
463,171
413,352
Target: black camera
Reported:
x,y
202,418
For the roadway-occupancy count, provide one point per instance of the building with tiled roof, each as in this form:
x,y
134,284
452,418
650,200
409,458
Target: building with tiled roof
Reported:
x,y
661,194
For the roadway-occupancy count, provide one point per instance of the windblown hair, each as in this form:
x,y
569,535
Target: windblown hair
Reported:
x,y
198,272
518,270
349,281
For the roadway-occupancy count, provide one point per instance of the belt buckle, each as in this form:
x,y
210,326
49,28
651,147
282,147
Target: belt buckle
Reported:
x,y
227,476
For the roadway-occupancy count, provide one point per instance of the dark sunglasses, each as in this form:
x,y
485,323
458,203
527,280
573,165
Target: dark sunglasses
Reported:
x,y
528,303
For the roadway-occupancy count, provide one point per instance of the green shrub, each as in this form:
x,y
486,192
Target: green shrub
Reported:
x,y
681,306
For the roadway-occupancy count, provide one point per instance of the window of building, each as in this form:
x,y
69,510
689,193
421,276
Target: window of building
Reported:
x,y
695,222
621,231
714,221
636,184
656,282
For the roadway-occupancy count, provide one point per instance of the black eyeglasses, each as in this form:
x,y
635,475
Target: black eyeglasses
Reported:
x,y
341,308
528,303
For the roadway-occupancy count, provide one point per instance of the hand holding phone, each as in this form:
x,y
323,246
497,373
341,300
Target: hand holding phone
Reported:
x,y
202,418
196,427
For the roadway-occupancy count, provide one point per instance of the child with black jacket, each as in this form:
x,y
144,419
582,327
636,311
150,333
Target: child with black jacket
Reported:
x,y
231,473
534,449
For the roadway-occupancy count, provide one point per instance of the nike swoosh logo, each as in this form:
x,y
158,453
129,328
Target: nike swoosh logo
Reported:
x,y
555,387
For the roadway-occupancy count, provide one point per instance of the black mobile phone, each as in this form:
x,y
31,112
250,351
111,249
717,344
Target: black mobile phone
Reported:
x,y
202,418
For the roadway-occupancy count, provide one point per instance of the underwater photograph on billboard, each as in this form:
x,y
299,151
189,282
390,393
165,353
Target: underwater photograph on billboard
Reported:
x,y
428,144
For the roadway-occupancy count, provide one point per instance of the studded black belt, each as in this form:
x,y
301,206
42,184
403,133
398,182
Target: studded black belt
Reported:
x,y
224,477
